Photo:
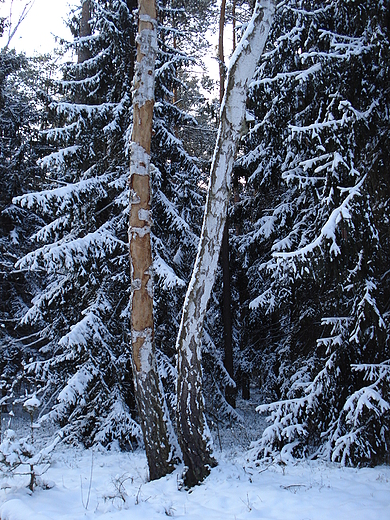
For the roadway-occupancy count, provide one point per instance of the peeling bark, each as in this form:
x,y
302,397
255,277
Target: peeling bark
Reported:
x,y
192,427
149,397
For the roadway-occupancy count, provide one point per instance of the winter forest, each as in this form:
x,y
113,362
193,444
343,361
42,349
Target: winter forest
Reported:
x,y
177,248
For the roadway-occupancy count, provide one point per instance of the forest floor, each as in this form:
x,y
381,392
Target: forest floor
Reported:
x,y
94,484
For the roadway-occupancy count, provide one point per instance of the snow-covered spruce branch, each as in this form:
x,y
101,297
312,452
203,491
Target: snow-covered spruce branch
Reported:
x,y
373,371
328,230
58,200
350,114
166,273
297,75
192,426
362,431
66,254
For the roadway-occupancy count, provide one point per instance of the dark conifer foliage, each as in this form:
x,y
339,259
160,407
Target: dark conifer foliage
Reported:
x,y
315,189
85,373
20,148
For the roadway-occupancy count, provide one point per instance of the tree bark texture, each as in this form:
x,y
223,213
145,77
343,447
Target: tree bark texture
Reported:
x,y
148,392
192,427
230,389
83,52
221,57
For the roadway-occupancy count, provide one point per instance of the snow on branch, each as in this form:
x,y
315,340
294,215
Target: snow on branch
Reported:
x,y
346,46
58,158
350,114
63,132
367,300
90,330
62,197
74,389
266,300
176,221
166,274
364,417
73,109
53,229
373,371
69,254
54,290
118,424
298,75
328,231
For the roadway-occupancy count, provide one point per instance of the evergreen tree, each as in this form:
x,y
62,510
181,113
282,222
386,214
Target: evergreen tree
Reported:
x,y
316,245
20,147
85,372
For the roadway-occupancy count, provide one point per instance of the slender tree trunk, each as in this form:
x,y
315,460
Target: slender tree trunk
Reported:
x,y
147,385
192,427
83,52
234,24
230,390
221,57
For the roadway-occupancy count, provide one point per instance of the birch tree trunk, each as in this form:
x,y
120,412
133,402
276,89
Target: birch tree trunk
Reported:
x,y
192,428
148,392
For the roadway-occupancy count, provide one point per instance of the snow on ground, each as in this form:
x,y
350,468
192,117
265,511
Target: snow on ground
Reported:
x,y
113,486
99,485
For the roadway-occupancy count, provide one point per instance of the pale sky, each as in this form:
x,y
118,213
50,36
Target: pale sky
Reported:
x,y
35,34
46,19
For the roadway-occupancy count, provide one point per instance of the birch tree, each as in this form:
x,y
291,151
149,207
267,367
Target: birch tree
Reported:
x,y
147,386
192,427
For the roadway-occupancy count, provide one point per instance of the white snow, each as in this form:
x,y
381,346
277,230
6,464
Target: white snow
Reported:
x,y
32,404
145,69
139,160
166,274
114,485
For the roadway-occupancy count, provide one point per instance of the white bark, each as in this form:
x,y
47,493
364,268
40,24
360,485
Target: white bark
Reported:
x,y
190,416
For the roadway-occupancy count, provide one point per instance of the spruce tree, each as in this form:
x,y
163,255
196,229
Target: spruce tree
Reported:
x,y
315,174
20,148
84,306
85,373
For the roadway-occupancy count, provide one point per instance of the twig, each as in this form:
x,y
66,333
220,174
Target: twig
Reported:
x,y
89,488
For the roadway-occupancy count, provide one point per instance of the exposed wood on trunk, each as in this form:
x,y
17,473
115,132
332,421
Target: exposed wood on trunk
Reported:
x,y
192,427
147,386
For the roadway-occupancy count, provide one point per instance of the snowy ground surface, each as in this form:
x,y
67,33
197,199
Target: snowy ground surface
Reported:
x,y
100,485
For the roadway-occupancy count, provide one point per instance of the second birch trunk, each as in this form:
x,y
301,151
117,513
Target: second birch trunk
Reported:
x,y
192,427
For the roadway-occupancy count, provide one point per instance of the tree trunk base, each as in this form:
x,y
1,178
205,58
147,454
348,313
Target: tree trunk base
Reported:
x,y
198,469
